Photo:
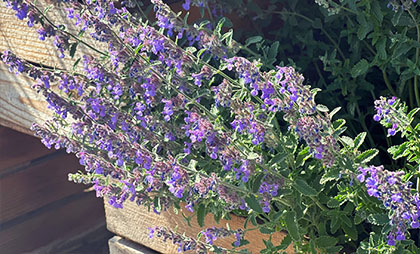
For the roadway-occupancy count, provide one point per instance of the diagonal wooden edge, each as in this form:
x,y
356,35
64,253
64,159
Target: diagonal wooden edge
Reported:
x,y
133,221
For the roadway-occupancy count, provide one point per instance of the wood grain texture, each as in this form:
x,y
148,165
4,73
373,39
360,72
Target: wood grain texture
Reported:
x,y
11,154
132,222
58,220
119,245
20,106
23,41
38,185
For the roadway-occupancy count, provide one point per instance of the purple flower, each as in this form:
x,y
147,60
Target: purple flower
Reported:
x,y
151,232
396,195
186,5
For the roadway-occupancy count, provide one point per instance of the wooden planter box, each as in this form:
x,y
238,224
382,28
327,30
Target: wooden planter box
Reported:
x,y
20,106
132,222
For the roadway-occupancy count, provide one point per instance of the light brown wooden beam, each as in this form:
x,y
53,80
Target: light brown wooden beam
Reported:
x,y
22,40
20,106
133,221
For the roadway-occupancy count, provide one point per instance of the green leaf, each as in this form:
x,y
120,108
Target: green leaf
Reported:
x,y
200,52
326,241
253,203
339,131
267,231
334,111
366,156
364,28
76,63
139,47
376,9
291,225
378,219
358,141
333,203
47,9
360,68
219,26
334,250
335,224
397,15
285,242
348,141
346,220
156,204
322,108
253,156
253,220
257,183
201,213
401,49
252,40
272,52
350,231
399,151
278,158
73,49
412,113
304,188
380,48
338,123
358,218
303,156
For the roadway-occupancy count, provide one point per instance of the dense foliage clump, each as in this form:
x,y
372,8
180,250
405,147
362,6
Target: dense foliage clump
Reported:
x,y
178,115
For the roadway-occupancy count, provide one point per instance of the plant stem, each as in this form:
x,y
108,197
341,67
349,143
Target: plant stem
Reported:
x,y
416,88
388,84
410,94
67,33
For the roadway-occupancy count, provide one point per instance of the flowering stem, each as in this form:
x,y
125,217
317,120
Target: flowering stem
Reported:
x,y
67,33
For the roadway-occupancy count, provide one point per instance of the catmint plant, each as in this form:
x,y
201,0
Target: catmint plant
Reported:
x,y
170,115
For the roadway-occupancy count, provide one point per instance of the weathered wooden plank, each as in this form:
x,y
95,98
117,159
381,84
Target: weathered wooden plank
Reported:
x,y
90,241
11,154
22,40
38,185
119,245
60,219
132,222
20,105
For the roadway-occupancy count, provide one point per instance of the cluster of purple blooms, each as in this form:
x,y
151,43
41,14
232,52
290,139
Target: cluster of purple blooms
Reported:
x,y
392,114
212,234
124,123
284,91
269,188
189,244
103,117
396,195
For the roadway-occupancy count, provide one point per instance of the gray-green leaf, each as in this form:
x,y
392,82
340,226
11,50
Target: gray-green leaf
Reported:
x,y
291,225
304,188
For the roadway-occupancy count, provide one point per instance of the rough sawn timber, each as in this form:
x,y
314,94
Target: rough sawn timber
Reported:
x,y
133,221
20,105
